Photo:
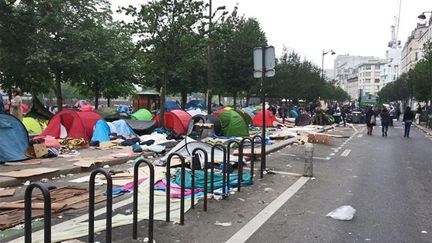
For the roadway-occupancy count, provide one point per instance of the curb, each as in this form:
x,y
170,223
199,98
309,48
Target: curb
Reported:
x,y
423,129
14,182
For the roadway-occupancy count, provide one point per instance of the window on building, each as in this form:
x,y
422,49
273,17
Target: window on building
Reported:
x,y
377,67
368,80
416,56
377,80
367,74
368,67
377,87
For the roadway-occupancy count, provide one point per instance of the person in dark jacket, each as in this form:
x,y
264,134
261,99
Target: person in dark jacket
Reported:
x,y
408,118
370,120
2,109
385,120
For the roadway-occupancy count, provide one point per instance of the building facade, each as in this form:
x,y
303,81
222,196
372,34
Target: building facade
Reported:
x,y
412,50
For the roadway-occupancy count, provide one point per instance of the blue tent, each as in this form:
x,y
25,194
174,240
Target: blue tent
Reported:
x,y
171,105
101,132
193,104
123,109
122,128
14,139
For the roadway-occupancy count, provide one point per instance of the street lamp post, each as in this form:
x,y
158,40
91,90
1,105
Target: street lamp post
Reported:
x,y
322,61
209,57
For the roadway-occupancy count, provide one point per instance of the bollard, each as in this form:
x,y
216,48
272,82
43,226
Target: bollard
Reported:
x,y
92,206
28,212
182,187
135,200
308,166
240,162
195,153
224,171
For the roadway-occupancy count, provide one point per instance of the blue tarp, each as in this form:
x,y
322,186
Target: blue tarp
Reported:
x,y
14,139
101,132
123,109
193,104
122,128
171,105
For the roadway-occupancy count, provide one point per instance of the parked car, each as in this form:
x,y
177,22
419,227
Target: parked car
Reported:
x,y
356,117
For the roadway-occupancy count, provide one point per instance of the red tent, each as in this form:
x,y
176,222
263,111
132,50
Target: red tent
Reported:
x,y
77,124
258,119
177,120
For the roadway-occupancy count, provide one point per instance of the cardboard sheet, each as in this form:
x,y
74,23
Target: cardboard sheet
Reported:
x,y
28,172
7,192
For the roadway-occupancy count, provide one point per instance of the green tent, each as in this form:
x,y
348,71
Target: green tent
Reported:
x,y
233,124
32,125
245,116
142,115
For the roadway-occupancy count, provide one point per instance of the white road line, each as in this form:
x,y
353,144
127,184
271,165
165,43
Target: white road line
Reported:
x,y
345,153
332,154
321,158
285,173
250,228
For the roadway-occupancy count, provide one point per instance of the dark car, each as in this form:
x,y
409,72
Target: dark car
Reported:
x,y
356,117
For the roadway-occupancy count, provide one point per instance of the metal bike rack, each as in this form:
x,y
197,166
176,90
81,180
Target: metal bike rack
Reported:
x,y
225,175
240,162
151,200
182,192
92,205
28,212
252,141
195,153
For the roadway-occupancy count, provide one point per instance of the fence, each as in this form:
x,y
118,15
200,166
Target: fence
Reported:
x,y
225,168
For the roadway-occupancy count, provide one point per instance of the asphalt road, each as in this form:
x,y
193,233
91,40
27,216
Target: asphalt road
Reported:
x,y
386,179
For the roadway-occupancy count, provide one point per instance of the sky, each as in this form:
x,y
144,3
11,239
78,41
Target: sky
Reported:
x,y
309,27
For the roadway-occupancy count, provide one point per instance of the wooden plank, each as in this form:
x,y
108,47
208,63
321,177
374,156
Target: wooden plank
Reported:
x,y
248,152
28,172
35,205
7,192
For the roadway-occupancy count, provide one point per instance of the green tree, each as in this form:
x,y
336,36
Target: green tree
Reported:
x,y
235,38
162,27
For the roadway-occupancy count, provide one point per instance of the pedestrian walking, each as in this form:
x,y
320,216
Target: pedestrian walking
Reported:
x,y
370,120
344,112
16,102
408,120
385,121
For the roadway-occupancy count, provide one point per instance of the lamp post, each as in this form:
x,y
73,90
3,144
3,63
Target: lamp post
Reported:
x,y
322,61
209,56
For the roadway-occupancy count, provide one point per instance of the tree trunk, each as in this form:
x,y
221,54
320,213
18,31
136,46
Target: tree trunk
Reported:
x,y
58,93
235,100
109,102
220,99
247,99
183,99
39,109
96,95
162,93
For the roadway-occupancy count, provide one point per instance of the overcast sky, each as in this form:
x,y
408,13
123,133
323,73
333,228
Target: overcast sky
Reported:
x,y
355,27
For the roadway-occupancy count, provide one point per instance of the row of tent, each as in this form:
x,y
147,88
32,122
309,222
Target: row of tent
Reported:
x,y
91,126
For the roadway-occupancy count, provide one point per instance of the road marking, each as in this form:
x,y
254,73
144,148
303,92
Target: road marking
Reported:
x,y
345,152
253,225
321,158
286,173
332,154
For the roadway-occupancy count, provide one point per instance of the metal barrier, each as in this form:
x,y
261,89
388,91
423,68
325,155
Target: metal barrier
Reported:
x,y
151,200
240,162
92,206
182,189
195,155
252,160
28,212
225,173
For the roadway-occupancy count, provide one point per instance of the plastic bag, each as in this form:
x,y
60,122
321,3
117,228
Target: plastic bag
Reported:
x,y
51,142
345,212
